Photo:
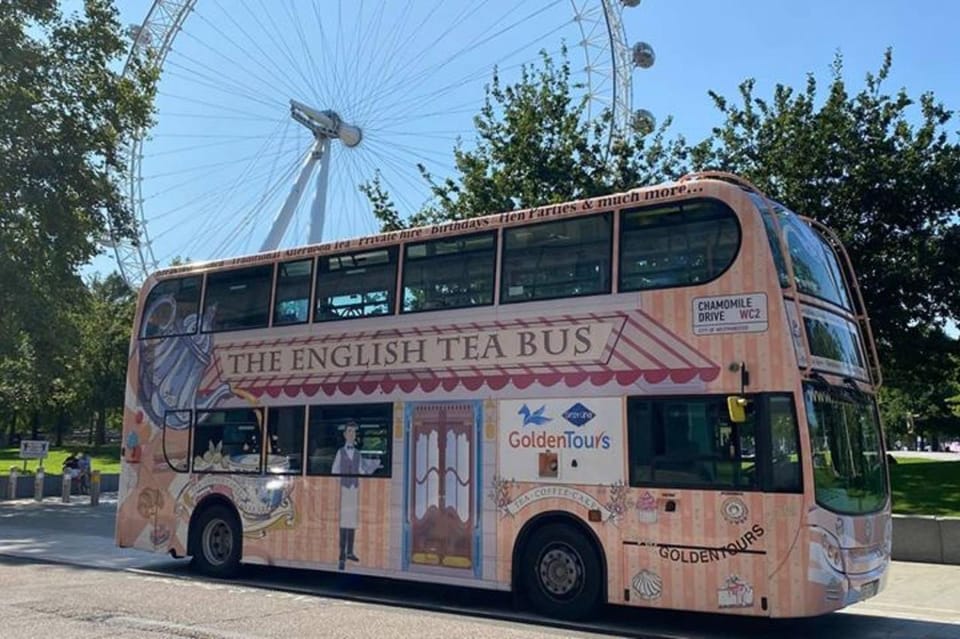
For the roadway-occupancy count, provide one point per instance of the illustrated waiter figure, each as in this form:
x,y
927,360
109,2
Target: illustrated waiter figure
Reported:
x,y
349,464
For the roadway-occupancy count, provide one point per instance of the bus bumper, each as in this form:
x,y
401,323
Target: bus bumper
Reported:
x,y
863,586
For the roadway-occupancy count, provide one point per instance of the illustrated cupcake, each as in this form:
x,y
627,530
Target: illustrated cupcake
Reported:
x,y
647,508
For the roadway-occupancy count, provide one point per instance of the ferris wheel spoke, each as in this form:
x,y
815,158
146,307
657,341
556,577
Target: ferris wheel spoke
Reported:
x,y
417,101
236,93
211,165
196,147
365,80
328,55
211,77
253,211
208,211
293,63
306,50
392,86
195,203
210,116
469,108
392,58
212,105
276,74
412,80
242,179
432,46
397,163
213,217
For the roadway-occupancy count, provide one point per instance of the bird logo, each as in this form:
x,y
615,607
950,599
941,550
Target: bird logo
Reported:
x,y
536,418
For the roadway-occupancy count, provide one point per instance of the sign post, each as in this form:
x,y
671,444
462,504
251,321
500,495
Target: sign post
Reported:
x,y
34,449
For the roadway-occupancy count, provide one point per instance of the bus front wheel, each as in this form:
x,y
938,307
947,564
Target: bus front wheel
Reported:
x,y
217,542
561,572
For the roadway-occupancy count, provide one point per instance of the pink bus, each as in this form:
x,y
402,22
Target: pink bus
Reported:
x,y
661,398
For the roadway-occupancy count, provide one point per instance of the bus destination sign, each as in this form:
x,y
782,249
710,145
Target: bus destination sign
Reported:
x,y
744,313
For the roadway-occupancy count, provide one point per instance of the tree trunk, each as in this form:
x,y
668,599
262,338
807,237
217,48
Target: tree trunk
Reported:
x,y
91,429
61,422
12,427
35,425
102,426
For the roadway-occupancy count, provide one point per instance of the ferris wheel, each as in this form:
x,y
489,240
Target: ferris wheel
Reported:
x,y
263,102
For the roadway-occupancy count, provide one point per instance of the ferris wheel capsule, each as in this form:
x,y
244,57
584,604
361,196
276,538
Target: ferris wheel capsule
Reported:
x,y
643,121
643,55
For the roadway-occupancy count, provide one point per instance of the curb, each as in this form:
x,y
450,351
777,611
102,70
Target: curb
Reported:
x,y
52,485
927,539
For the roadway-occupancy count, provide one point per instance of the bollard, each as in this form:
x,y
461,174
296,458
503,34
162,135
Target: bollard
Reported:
x,y
14,476
38,485
94,487
65,487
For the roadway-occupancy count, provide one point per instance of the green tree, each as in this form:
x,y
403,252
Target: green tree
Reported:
x,y
65,114
533,147
104,321
921,395
880,169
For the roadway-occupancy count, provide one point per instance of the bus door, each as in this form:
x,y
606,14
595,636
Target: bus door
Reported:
x,y
697,539
442,510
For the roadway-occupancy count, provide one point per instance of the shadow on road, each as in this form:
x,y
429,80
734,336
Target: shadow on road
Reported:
x,y
617,621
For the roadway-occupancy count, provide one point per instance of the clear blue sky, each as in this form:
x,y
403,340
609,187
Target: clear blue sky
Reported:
x,y
706,45
699,45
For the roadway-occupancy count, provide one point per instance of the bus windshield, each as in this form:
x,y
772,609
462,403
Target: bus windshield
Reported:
x,y
848,466
814,263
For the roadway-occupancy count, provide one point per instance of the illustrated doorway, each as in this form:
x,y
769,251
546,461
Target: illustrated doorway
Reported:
x,y
442,516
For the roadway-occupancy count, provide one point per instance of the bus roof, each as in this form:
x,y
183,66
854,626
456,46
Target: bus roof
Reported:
x,y
663,192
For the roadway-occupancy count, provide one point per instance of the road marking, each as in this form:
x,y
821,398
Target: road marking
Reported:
x,y
949,611
895,612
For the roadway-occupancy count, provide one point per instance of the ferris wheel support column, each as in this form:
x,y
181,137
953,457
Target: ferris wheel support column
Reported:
x,y
318,208
325,126
282,220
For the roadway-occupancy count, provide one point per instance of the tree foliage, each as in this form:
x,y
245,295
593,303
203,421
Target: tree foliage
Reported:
x,y
883,171
879,168
534,147
65,114
859,164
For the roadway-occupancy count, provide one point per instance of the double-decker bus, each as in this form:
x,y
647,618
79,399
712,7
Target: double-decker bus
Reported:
x,y
660,398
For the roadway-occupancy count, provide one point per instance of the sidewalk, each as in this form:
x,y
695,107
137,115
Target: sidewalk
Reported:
x,y
74,533
81,534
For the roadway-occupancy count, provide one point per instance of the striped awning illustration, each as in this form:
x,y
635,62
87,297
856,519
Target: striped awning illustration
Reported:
x,y
636,347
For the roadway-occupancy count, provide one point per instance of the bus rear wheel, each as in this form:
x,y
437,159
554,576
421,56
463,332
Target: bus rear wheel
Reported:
x,y
217,542
561,572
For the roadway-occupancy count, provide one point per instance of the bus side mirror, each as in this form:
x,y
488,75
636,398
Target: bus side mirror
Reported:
x,y
737,408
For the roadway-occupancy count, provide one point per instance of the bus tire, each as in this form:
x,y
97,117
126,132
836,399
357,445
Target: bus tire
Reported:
x,y
217,542
561,572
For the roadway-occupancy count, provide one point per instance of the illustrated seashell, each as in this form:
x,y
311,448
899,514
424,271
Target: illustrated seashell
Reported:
x,y
647,584
734,510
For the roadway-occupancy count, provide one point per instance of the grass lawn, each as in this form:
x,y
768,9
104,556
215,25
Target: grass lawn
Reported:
x,y
925,486
106,459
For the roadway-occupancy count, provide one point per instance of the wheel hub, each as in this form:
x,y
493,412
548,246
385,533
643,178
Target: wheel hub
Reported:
x,y
560,571
217,542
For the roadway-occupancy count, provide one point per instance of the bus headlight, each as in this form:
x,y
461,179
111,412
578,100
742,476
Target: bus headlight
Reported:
x,y
831,550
